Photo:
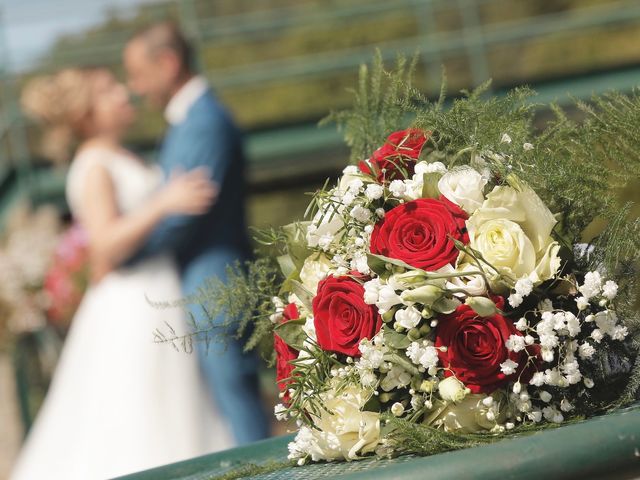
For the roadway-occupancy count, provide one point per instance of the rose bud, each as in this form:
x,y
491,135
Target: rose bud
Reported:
x,y
427,294
483,306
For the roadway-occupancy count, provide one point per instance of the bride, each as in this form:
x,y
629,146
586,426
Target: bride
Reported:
x,y
118,403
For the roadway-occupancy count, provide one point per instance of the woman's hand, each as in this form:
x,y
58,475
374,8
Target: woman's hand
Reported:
x,y
188,193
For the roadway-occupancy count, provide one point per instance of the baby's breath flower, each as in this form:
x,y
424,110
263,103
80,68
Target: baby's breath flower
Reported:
x,y
521,324
508,367
515,343
586,350
537,380
360,214
397,188
582,303
374,191
280,412
592,284
423,354
610,290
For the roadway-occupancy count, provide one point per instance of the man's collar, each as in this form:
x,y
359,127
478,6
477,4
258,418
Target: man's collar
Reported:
x,y
181,102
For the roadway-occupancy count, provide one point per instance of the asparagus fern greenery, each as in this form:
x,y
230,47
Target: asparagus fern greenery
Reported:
x,y
244,297
577,164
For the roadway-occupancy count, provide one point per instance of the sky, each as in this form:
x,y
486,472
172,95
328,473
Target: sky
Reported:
x,y
28,27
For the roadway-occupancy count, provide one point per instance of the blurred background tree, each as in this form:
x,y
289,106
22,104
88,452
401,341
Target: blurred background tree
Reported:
x,y
280,65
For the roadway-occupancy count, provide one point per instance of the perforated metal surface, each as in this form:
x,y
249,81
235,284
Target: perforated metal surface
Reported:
x,y
308,472
328,470
604,447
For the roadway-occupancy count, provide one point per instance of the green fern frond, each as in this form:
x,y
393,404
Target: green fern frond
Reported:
x,y
383,102
237,306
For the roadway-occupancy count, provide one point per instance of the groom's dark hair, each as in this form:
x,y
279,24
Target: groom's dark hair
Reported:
x,y
167,36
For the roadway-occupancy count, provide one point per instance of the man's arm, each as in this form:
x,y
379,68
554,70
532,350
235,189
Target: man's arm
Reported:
x,y
209,145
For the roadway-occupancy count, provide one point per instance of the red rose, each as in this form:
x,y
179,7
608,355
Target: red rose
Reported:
x,y
341,317
290,312
401,149
476,348
421,233
285,353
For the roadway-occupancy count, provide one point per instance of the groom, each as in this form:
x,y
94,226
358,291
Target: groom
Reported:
x,y
158,61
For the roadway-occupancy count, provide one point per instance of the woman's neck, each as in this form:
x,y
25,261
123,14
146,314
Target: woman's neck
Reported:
x,y
111,142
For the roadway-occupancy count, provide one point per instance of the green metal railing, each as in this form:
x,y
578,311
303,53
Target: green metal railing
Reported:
x,y
470,39
601,448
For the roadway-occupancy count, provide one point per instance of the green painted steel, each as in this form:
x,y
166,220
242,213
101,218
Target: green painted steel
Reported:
x,y
282,152
606,447
471,40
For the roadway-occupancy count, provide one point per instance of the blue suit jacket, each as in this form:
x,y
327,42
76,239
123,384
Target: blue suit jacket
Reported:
x,y
203,245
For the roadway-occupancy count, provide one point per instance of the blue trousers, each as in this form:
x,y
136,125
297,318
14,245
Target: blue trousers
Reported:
x,y
231,375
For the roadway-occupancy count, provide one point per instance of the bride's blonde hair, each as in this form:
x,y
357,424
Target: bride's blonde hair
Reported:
x,y
59,102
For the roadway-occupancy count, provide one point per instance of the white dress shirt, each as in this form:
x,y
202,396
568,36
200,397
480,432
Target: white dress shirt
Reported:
x,y
181,102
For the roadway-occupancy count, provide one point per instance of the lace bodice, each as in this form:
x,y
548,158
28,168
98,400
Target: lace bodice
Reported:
x,y
133,181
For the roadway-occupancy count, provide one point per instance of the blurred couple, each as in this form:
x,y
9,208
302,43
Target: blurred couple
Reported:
x,y
118,402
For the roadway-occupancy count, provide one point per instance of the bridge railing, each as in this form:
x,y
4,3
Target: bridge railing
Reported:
x,y
469,34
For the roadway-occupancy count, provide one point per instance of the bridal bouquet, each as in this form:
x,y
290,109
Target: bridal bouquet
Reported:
x,y
434,291
446,292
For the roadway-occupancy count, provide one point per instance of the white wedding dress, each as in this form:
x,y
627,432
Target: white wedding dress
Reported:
x,y
120,403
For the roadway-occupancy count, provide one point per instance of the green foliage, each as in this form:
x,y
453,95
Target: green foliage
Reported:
x,y
308,380
421,439
244,301
475,122
382,102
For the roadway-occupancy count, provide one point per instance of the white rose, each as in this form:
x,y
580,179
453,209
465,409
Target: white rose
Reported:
x,y
314,269
464,187
505,246
452,390
471,415
512,230
344,430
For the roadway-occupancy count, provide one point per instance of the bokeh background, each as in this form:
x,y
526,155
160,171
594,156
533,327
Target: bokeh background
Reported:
x,y
280,66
